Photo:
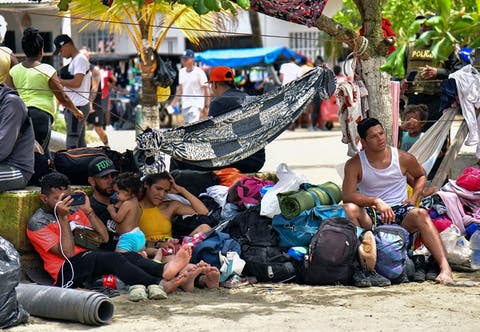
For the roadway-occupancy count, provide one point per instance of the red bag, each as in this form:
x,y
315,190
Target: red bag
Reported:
x,y
470,179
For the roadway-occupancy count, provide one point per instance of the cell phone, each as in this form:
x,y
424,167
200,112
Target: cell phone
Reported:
x,y
411,76
78,198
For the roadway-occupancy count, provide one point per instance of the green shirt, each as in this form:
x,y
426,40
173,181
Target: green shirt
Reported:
x,y
32,86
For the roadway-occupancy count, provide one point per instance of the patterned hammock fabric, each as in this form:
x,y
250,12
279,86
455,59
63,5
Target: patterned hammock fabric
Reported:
x,y
233,136
303,12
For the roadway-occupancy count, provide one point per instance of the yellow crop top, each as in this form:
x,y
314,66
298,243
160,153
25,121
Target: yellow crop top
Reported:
x,y
154,225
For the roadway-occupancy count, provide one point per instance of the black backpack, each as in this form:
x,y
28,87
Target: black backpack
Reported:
x,y
165,74
332,253
268,264
249,227
263,258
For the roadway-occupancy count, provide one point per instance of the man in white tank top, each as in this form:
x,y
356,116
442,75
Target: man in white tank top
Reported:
x,y
379,174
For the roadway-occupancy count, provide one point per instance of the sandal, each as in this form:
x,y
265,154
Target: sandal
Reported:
x,y
137,293
156,292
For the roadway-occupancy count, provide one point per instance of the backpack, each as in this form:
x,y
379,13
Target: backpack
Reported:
x,y
249,227
268,264
263,258
332,253
164,75
208,249
74,162
392,243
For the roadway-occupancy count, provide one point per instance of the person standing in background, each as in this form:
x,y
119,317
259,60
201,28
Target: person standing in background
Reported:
x,y
290,71
77,87
37,83
192,89
96,116
7,59
107,82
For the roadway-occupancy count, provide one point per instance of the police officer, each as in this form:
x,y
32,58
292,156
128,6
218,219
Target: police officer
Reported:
x,y
425,75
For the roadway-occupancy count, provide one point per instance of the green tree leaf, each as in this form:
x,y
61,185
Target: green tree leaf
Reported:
x,y
441,49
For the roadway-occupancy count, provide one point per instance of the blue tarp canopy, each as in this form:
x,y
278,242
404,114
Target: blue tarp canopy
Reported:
x,y
241,57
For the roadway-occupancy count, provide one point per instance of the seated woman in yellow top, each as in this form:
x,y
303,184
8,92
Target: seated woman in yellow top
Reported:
x,y
155,222
157,213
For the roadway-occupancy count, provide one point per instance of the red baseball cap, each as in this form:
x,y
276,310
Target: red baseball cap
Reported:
x,y
221,74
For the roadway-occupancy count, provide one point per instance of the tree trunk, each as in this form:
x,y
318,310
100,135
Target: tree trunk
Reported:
x,y
148,100
379,98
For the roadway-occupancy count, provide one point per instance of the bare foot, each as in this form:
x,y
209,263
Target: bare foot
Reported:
x,y
445,277
191,274
171,285
178,262
210,277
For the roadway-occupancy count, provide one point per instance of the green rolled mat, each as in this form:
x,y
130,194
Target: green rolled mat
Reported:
x,y
292,203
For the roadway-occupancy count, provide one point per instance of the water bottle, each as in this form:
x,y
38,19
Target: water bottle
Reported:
x,y
110,281
298,253
475,246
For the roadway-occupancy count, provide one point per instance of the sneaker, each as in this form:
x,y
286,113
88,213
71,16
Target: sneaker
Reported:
x,y
360,279
377,280
432,269
137,293
420,267
156,292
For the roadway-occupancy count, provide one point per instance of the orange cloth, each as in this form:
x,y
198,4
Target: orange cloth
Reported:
x,y
228,176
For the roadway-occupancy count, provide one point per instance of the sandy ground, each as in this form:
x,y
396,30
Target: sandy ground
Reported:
x,y
290,307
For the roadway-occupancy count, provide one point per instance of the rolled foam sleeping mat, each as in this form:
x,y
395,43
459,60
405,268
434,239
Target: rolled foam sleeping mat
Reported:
x,y
292,203
81,306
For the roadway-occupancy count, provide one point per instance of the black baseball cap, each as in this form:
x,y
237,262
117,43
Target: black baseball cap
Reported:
x,y
61,40
101,166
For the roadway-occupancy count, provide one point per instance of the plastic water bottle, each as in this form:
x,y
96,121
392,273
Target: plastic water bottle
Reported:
x,y
475,246
298,253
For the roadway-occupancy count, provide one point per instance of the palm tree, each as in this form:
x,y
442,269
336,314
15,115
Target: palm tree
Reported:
x,y
147,22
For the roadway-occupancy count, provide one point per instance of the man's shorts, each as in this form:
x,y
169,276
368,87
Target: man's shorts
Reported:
x,y
400,212
97,118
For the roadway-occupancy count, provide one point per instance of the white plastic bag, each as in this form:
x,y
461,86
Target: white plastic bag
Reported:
x,y
231,264
456,246
287,180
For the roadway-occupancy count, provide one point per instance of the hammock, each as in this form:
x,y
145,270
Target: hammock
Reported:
x,y
233,136
427,148
304,12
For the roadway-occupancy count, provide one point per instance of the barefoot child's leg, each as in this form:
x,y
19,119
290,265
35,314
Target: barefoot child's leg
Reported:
x,y
171,285
191,272
178,262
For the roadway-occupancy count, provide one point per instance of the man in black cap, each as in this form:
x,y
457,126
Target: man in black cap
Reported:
x,y
101,173
76,80
192,89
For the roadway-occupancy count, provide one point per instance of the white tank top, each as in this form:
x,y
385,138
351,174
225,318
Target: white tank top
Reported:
x,y
388,184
